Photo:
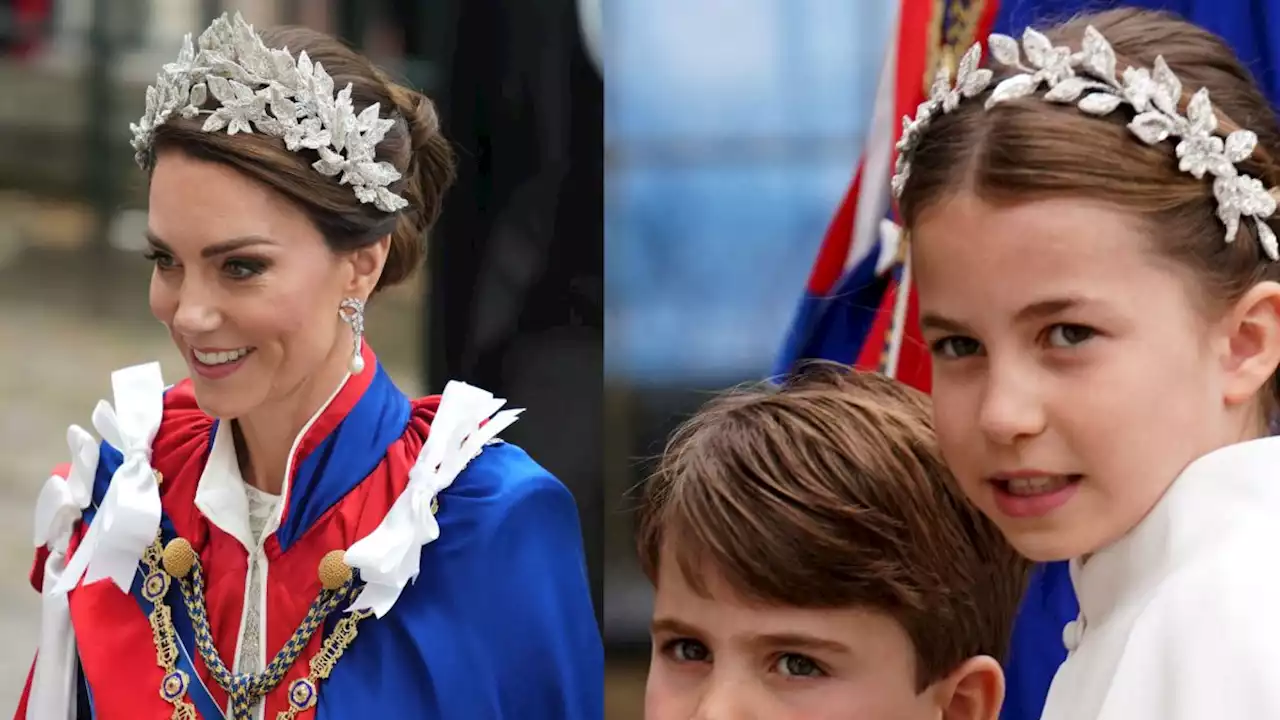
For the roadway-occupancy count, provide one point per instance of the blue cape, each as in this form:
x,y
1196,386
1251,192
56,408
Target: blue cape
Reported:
x,y
499,623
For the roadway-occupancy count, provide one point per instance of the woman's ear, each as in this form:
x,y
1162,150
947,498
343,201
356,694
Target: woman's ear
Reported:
x,y
366,267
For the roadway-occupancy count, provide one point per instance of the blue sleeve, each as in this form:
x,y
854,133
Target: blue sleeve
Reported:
x,y
499,624
536,605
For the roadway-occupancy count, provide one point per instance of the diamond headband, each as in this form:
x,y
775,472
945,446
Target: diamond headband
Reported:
x,y
248,79
1088,79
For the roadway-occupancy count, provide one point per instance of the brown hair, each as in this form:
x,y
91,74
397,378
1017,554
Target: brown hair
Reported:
x,y
827,492
1032,149
414,146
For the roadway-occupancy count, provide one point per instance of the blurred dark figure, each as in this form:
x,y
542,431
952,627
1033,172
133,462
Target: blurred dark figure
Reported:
x,y
414,19
23,24
516,298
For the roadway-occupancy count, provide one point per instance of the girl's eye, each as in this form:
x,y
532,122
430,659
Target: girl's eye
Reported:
x,y
796,665
956,346
1067,336
687,650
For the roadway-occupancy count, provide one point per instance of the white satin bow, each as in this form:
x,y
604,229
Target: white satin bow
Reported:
x,y
129,516
60,505
63,500
388,558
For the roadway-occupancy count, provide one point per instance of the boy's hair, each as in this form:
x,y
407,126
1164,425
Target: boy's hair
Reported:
x,y
827,492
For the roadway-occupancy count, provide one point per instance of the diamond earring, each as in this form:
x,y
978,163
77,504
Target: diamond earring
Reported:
x,y
352,313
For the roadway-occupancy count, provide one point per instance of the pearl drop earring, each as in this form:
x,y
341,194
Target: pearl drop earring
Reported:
x,y
352,313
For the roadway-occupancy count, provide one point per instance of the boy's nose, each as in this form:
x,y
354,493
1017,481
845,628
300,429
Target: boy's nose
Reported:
x,y
724,699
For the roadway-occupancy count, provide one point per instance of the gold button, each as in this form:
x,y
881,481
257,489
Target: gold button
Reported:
x,y
334,572
178,557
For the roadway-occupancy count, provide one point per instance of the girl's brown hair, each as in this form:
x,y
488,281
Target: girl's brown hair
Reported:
x,y
830,492
414,146
1032,149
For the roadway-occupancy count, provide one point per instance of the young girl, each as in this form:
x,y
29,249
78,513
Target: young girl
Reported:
x,y
1093,226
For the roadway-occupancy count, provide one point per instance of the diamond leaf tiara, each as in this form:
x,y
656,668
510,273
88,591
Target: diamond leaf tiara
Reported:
x,y
1088,79
264,89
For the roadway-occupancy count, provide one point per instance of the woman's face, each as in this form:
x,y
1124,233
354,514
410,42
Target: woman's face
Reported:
x,y
247,287
1073,375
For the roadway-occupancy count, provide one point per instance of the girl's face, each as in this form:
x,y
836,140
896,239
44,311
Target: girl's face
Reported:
x,y
1073,376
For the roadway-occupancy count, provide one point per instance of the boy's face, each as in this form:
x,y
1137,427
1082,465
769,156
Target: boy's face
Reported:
x,y
726,658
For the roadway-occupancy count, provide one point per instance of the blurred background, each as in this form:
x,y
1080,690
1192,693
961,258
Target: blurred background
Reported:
x,y
512,299
732,130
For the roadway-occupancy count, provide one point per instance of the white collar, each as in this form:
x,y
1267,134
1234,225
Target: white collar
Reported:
x,y
1212,495
220,493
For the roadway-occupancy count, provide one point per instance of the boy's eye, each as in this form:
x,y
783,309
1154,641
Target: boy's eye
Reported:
x,y
796,665
687,650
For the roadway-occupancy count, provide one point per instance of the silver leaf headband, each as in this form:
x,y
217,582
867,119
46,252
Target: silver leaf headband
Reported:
x,y
1088,79
247,79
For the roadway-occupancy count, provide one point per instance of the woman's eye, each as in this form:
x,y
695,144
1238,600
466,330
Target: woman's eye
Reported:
x,y
1066,336
161,260
796,665
956,346
686,650
244,269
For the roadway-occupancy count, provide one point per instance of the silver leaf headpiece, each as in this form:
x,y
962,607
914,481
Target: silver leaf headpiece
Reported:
x,y
1088,79
266,89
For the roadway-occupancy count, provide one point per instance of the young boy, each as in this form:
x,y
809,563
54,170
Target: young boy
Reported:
x,y
813,559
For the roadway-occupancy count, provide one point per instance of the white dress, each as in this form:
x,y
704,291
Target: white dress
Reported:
x,y
1180,619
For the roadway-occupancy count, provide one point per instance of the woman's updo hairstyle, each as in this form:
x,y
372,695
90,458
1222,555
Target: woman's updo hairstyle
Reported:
x,y
414,146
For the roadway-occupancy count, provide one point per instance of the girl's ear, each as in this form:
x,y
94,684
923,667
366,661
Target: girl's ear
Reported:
x,y
1252,347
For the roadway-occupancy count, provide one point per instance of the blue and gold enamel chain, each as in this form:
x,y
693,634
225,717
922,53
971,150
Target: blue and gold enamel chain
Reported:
x,y
174,686
179,561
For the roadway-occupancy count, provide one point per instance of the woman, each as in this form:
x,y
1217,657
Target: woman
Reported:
x,y
285,535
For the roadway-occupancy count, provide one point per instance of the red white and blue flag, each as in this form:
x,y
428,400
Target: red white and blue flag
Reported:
x,y
857,307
